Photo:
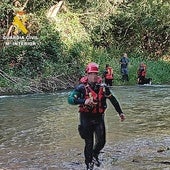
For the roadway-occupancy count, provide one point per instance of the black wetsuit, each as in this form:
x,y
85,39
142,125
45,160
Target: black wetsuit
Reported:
x,y
92,125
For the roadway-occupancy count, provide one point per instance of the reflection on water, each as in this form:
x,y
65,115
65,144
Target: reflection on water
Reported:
x,y
40,131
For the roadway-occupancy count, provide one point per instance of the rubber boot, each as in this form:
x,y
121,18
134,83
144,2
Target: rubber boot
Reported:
x,y
90,166
96,160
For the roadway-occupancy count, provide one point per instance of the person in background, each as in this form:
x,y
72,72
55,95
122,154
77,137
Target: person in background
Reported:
x,y
108,75
91,97
142,75
141,72
124,61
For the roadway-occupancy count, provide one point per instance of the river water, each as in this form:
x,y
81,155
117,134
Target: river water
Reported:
x,y
39,132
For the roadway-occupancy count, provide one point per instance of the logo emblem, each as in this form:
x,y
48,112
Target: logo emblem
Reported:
x,y
19,21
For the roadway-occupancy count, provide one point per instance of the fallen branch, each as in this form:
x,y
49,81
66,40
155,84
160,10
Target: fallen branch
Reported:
x,y
6,76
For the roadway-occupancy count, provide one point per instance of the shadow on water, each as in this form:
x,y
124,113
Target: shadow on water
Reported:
x,y
39,132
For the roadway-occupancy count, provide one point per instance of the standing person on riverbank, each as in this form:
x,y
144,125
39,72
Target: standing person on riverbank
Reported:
x,y
124,61
108,75
91,96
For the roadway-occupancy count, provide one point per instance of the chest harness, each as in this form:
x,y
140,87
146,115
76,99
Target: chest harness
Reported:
x,y
109,74
98,98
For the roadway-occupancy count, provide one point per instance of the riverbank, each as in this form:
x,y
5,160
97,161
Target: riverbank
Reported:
x,y
39,85
47,85
10,85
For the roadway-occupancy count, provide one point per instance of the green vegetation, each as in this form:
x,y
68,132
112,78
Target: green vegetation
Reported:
x,y
84,31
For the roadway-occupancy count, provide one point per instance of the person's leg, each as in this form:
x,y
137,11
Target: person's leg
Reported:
x,y
88,151
107,82
123,74
123,77
139,79
126,74
127,77
100,140
86,132
110,82
142,80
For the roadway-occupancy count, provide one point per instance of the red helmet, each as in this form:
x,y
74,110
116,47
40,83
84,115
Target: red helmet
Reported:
x,y
92,68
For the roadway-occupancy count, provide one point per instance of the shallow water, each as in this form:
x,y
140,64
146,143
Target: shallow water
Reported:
x,y
39,132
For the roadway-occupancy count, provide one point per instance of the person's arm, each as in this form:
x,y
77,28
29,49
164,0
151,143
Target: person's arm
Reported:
x,y
104,73
77,95
121,61
115,103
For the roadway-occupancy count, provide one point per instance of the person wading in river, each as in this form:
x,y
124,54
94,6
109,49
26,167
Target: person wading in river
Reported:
x,y
142,75
91,96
